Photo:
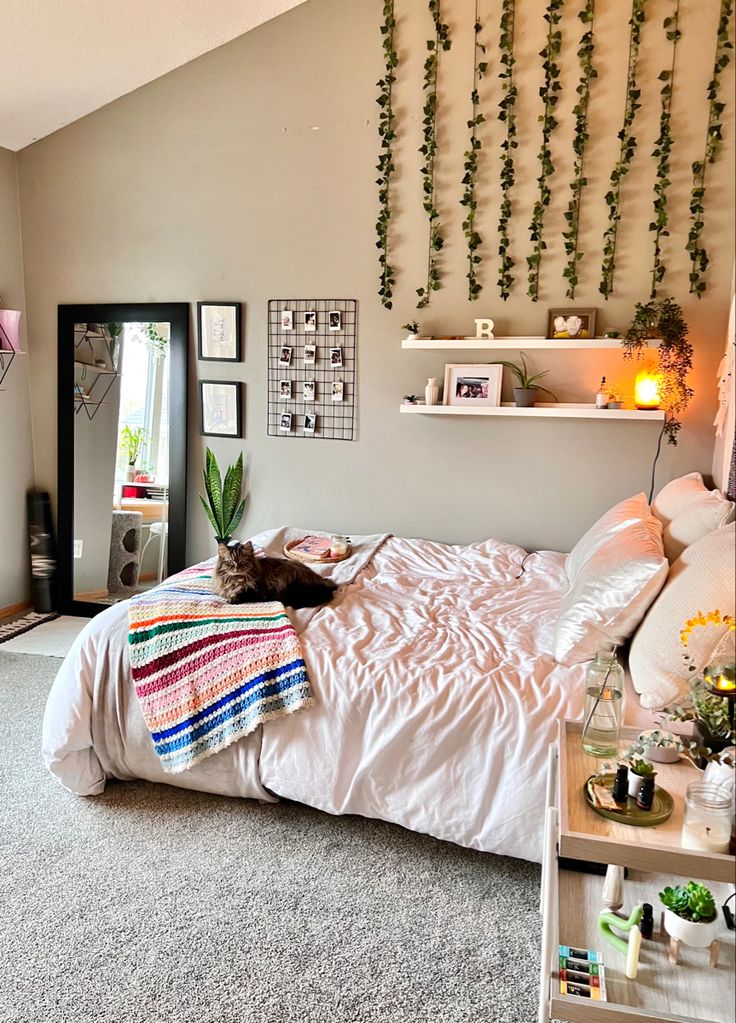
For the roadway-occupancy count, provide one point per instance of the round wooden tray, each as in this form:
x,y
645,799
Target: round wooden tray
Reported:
x,y
311,559
662,806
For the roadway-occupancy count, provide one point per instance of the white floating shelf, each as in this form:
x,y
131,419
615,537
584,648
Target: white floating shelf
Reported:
x,y
499,344
549,410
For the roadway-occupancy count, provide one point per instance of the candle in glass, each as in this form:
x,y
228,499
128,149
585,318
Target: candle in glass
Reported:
x,y
707,823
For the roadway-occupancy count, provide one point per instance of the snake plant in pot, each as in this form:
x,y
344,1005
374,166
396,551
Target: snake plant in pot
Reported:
x,y
526,393
224,506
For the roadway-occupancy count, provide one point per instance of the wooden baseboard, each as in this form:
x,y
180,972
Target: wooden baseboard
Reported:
x,y
15,609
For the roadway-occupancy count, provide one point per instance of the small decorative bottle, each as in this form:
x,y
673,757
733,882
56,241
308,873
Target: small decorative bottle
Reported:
x,y
646,924
604,688
432,391
621,784
601,398
645,797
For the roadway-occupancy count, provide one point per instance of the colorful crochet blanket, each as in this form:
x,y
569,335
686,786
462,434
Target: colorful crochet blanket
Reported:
x,y
206,672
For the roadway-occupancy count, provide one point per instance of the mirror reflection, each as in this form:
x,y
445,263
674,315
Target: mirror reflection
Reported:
x,y
121,458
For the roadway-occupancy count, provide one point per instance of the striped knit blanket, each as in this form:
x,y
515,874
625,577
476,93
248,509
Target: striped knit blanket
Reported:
x,y
206,672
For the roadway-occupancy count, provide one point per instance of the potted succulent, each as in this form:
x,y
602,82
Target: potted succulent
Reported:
x,y
638,771
412,328
526,393
690,914
223,506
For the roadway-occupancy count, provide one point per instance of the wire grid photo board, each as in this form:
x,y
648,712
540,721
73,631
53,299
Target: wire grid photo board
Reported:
x,y
327,325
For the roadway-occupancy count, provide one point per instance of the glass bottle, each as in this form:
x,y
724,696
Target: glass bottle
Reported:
x,y
604,689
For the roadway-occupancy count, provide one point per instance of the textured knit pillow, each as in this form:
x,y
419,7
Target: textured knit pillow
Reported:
x,y
625,513
702,579
609,595
677,495
709,511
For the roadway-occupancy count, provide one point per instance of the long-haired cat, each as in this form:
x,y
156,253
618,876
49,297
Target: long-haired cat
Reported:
x,y
242,578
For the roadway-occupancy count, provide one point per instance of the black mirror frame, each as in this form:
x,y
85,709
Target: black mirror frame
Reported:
x,y
177,314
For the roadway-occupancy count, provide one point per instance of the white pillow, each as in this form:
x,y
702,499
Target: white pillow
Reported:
x,y
676,495
625,513
610,593
702,579
707,512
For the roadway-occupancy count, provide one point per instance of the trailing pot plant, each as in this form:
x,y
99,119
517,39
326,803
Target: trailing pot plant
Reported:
x,y
470,166
626,150
580,140
690,914
526,393
661,153
664,747
428,149
507,115
713,138
549,94
224,506
663,320
385,166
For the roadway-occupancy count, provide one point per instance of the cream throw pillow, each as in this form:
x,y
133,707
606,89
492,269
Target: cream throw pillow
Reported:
x,y
677,495
702,579
709,511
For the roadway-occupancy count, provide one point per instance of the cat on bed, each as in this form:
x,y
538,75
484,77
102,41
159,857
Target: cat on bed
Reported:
x,y
242,578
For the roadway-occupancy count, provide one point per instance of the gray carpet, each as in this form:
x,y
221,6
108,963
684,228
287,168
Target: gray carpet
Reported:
x,y
154,904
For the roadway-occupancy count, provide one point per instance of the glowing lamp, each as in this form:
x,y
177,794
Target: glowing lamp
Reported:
x,y
646,390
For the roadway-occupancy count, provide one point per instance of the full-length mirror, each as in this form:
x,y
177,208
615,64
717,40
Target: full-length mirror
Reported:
x,y
122,450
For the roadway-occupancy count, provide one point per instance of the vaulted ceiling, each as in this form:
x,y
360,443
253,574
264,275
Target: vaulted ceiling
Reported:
x,y
62,59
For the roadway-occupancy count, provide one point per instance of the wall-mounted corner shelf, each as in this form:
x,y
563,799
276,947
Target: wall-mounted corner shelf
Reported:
x,y
6,361
549,410
100,370
512,344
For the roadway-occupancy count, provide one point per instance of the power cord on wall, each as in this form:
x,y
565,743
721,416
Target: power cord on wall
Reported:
x,y
523,563
656,457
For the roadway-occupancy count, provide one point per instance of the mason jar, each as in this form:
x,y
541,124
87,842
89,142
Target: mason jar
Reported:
x,y
707,822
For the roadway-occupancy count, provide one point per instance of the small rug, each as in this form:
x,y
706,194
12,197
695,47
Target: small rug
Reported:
x,y
20,625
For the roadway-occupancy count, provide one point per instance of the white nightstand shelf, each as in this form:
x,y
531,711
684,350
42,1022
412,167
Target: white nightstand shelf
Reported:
x,y
549,410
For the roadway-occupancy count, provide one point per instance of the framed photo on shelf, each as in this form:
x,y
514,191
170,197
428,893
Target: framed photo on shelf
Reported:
x,y
570,323
218,327
220,408
478,386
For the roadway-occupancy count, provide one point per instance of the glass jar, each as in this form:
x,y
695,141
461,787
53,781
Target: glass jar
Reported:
x,y
707,821
604,690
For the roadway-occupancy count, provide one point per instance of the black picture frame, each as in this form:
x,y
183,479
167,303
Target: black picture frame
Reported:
x,y
237,389
176,314
236,306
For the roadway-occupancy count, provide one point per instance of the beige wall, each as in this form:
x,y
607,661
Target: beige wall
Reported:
x,y
16,449
249,174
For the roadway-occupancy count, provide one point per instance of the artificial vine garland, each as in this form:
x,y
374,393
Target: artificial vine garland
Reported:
x,y
550,95
385,166
661,153
428,149
626,151
580,141
507,114
469,201
713,139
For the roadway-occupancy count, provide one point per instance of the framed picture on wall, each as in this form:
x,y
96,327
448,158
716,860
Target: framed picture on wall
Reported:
x,y
218,327
220,408
478,386
571,323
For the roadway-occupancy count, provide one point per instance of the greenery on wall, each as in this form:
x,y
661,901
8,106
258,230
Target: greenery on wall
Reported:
x,y
385,166
580,139
626,150
470,166
549,94
713,138
661,153
428,149
507,115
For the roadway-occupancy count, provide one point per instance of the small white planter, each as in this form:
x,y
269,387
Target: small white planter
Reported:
x,y
635,782
696,935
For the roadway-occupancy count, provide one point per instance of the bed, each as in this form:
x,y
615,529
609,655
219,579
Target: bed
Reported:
x,y
436,691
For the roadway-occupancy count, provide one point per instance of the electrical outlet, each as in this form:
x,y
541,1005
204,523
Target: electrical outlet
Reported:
x,y
78,547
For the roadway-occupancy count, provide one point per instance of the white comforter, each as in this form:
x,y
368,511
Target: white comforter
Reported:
x,y
436,701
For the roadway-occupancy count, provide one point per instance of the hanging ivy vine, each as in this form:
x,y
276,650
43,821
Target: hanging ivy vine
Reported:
x,y
470,166
385,165
713,138
428,149
507,115
626,151
580,141
661,153
550,96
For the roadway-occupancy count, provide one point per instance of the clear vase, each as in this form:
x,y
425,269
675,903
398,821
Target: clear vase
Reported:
x,y
604,688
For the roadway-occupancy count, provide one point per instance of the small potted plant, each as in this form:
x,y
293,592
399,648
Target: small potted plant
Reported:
x,y
690,914
131,442
411,399
526,393
638,771
412,328
223,505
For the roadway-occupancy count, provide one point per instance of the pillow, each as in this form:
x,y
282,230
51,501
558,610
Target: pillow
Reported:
x,y
626,513
707,512
609,595
676,495
702,579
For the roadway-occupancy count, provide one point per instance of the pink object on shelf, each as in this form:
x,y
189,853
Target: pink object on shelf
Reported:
x,y
10,330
